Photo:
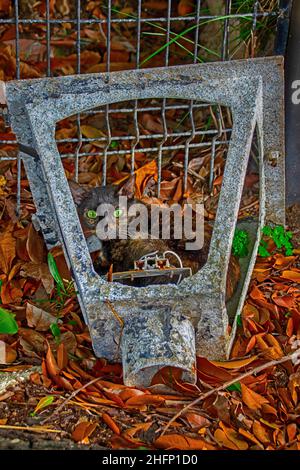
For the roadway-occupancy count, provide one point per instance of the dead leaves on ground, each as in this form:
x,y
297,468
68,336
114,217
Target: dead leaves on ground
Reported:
x,y
83,431
258,412
182,442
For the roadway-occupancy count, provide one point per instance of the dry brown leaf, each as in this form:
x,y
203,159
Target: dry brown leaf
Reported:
x,y
38,318
235,364
291,275
287,301
69,340
7,251
62,356
46,278
233,436
35,246
223,440
256,294
167,188
83,430
151,123
141,174
261,433
111,423
250,437
156,5
249,311
186,7
7,353
210,373
93,133
195,420
34,340
145,399
38,272
51,363
130,392
253,400
180,442
291,431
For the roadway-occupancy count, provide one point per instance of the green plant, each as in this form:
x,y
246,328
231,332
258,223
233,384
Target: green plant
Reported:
x,y
43,403
8,324
236,387
64,289
281,238
55,273
174,35
55,330
113,144
240,245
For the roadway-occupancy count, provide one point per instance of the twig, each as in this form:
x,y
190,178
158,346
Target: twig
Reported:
x,y
190,171
73,394
115,313
256,370
25,428
120,320
249,206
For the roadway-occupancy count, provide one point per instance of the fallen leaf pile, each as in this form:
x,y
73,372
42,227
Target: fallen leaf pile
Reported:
x,y
260,411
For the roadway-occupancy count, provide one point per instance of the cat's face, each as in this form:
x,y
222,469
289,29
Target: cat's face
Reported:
x,y
87,209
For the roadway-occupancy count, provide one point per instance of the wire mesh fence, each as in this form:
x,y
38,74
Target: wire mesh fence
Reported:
x,y
59,37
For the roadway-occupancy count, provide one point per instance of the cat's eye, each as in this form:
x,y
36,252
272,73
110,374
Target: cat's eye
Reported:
x,y
117,213
91,214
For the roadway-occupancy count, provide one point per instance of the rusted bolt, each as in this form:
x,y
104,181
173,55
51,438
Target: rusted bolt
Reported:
x,y
272,157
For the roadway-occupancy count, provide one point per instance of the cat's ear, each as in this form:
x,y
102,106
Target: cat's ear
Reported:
x,y
79,191
128,188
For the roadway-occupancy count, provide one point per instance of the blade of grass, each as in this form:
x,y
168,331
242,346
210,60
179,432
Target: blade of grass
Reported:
x,y
55,273
157,26
180,35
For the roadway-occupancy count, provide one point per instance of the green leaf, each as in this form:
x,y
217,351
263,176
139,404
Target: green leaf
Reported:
x,y
280,237
113,144
55,330
263,249
267,231
239,320
240,245
8,324
54,272
43,403
236,387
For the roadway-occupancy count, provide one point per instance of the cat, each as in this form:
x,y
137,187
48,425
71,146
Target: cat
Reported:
x,y
122,253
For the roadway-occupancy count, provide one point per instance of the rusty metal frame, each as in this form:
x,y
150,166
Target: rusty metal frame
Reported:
x,y
159,325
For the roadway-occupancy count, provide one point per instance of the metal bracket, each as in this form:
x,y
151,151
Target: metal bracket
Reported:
x,y
167,324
